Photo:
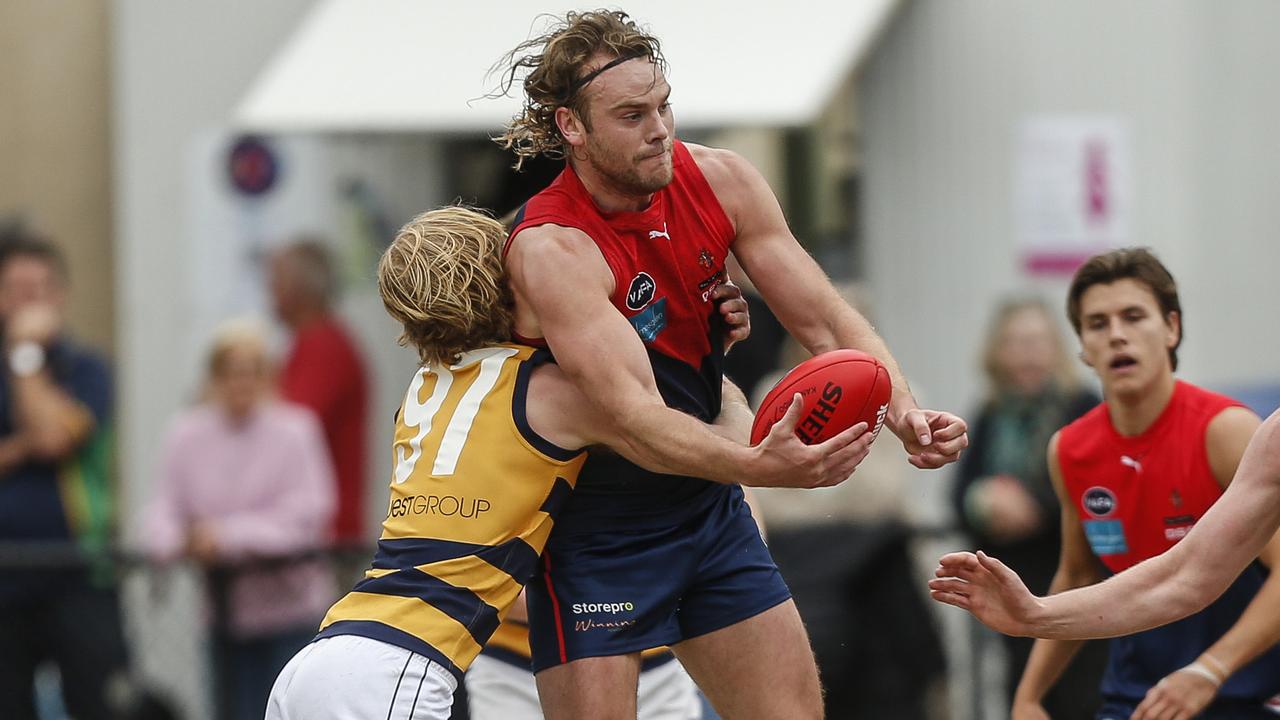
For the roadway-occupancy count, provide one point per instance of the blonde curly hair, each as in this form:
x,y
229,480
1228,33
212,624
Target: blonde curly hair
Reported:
x,y
442,278
555,62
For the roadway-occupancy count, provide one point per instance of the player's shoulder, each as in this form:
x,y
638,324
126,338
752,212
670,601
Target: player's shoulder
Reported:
x,y
1205,402
719,164
555,251
550,236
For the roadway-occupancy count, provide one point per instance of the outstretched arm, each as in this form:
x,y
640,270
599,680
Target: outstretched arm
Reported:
x,y
1155,592
807,304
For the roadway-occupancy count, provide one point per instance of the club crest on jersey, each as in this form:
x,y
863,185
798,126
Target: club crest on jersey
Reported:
x,y
641,291
1099,501
706,259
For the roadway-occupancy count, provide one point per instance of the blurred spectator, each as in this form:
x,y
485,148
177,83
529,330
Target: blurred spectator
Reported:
x,y
56,494
324,371
1003,496
245,479
845,554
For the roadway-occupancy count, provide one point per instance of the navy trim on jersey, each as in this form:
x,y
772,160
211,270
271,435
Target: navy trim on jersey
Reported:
x,y
556,499
518,400
402,553
514,557
391,636
477,616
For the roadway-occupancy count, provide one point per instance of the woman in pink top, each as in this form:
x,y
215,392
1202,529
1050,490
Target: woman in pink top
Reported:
x,y
245,479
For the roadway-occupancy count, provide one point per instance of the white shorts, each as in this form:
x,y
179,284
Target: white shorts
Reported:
x,y
348,677
498,690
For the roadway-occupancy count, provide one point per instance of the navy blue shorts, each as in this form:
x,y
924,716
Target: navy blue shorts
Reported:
x,y
627,589
1219,709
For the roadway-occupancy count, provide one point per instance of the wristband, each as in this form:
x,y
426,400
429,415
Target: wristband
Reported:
x,y
1216,664
1199,668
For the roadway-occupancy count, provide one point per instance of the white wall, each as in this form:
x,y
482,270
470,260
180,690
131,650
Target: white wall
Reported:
x,y
942,100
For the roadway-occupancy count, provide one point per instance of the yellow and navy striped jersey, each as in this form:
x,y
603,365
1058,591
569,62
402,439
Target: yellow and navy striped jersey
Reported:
x,y
474,494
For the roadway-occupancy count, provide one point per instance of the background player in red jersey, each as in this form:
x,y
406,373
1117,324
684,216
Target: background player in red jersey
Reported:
x,y
611,268
1133,476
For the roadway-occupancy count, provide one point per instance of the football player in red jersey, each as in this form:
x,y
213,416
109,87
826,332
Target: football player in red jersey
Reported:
x,y
613,267
1134,476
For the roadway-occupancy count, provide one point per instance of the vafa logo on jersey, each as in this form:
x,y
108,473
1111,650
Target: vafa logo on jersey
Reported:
x,y
641,291
1099,501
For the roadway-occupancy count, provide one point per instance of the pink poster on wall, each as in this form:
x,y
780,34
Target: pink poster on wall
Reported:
x,y
1073,190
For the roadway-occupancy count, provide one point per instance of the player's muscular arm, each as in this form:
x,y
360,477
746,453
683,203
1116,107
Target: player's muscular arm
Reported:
x,y
560,412
1077,567
560,277
807,304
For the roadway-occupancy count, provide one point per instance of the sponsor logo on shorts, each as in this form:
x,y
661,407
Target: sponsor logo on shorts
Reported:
x,y
442,505
641,291
612,608
1099,501
610,625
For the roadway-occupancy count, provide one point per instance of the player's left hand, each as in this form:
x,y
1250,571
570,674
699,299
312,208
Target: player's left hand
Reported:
x,y
733,308
988,589
1179,696
932,438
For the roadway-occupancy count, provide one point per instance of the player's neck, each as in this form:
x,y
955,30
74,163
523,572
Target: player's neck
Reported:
x,y
605,194
1133,414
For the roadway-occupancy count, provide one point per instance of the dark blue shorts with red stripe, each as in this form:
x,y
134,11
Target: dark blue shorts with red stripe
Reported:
x,y
625,590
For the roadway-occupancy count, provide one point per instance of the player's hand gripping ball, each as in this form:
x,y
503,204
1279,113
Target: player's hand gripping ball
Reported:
x,y
840,389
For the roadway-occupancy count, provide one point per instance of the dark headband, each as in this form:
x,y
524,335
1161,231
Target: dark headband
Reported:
x,y
582,82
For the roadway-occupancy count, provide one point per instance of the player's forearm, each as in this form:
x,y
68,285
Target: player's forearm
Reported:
x,y
660,437
1152,593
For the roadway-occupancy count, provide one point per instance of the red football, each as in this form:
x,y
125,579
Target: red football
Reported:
x,y
841,388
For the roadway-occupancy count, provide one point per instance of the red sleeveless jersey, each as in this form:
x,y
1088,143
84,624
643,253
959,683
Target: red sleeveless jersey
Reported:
x,y
1138,496
665,259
